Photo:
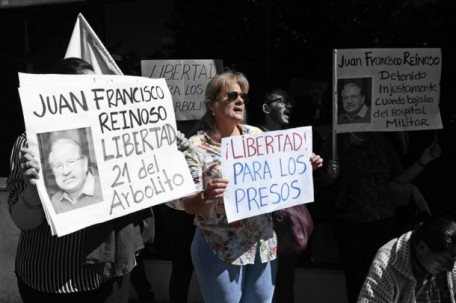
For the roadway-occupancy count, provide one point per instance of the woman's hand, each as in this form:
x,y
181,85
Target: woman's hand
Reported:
x,y
215,188
316,161
29,166
182,142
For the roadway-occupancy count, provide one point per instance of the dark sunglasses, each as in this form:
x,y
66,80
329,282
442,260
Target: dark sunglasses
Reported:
x,y
283,102
232,96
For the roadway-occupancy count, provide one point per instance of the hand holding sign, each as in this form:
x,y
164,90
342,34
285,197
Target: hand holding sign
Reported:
x,y
430,153
316,161
30,166
215,188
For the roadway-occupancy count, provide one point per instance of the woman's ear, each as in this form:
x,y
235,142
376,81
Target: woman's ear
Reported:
x,y
266,109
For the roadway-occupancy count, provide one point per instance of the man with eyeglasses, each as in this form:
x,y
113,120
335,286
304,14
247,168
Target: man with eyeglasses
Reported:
x,y
70,167
354,107
277,108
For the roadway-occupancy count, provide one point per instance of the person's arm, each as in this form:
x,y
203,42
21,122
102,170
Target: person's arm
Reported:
x,y
195,204
201,202
330,170
28,212
379,285
430,153
24,202
208,190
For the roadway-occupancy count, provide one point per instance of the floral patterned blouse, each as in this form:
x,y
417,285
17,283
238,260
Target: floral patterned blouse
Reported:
x,y
236,242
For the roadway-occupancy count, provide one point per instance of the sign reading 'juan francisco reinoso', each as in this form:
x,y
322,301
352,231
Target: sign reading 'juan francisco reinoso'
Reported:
x,y
116,135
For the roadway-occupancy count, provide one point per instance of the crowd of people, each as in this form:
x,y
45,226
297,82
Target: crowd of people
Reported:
x,y
383,259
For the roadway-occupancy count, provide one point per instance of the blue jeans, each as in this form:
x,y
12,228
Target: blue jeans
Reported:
x,y
225,283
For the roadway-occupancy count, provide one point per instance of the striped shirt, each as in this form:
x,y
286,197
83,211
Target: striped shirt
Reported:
x,y
44,262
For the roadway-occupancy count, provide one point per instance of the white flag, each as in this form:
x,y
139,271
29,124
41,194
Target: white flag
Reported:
x,y
85,44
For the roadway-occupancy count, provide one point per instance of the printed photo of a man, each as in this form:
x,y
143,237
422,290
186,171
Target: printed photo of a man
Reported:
x,y
76,182
355,98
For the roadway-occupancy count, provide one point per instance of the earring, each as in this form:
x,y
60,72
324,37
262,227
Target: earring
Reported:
x,y
213,114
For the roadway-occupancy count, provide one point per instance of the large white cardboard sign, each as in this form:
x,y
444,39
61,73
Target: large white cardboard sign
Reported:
x,y
126,129
267,172
400,88
187,81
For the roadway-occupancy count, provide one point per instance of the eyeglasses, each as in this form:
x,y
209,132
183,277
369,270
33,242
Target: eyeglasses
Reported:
x,y
283,102
351,97
58,167
232,96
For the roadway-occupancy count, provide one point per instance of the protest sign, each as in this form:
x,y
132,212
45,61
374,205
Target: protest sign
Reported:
x,y
267,172
126,130
187,81
400,89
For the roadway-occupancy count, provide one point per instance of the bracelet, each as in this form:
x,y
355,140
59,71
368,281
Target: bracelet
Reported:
x,y
38,206
203,195
420,164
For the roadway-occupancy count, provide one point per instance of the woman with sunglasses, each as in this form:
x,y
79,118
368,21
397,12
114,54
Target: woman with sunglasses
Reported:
x,y
234,262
